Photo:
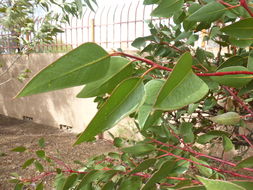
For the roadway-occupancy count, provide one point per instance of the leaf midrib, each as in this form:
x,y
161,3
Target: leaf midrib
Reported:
x,y
65,74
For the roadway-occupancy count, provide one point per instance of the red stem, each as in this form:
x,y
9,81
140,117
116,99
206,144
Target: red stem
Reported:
x,y
171,46
149,62
225,3
239,100
244,4
247,140
213,168
199,154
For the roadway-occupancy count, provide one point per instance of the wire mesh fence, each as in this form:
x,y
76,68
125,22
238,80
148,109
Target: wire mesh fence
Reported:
x,y
112,26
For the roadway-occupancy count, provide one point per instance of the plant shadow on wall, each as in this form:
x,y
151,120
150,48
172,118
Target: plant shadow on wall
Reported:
x,y
180,97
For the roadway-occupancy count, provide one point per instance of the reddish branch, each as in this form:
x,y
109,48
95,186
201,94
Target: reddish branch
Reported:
x,y
199,154
245,5
239,100
197,163
157,66
174,47
247,140
225,3
149,62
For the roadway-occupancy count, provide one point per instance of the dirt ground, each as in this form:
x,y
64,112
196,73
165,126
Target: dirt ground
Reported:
x,y
14,133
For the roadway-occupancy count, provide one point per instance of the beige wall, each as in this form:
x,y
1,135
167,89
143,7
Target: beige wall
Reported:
x,y
53,108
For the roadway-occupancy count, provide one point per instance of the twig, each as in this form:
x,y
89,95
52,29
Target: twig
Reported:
x,y
244,4
149,62
207,166
247,140
199,154
238,100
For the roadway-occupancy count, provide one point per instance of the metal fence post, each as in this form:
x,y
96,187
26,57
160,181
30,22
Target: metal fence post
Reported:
x,y
93,30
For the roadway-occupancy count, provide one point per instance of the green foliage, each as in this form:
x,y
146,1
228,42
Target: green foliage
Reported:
x,y
183,99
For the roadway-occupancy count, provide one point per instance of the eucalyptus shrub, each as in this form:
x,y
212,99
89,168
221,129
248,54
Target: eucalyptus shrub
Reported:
x,y
182,97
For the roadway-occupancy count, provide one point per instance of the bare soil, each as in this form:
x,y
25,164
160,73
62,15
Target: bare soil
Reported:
x,y
14,133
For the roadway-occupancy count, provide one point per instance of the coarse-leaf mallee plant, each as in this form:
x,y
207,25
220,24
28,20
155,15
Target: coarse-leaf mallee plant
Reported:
x,y
183,98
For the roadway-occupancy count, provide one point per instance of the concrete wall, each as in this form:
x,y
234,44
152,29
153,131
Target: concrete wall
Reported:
x,y
53,108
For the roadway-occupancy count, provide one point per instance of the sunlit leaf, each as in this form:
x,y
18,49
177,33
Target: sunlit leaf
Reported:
x,y
247,163
167,8
123,101
229,118
182,87
89,62
212,184
210,12
240,29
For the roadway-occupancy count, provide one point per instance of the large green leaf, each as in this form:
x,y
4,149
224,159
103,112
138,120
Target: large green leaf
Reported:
x,y
229,118
139,149
167,8
123,101
87,63
242,43
165,169
70,181
152,89
208,13
245,184
232,61
227,144
202,169
182,87
120,68
132,182
236,81
240,29
185,130
150,2
212,184
205,138
250,61
248,162
144,165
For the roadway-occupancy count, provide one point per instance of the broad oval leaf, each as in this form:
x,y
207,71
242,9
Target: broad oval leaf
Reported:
x,y
250,61
132,182
205,138
185,130
232,61
236,81
208,13
139,149
227,144
87,63
247,185
152,89
212,184
150,2
248,162
182,87
70,182
165,169
202,169
28,163
120,68
229,118
123,101
240,29
167,8
19,149
144,165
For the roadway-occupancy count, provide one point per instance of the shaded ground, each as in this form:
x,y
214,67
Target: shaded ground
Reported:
x,y
14,133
